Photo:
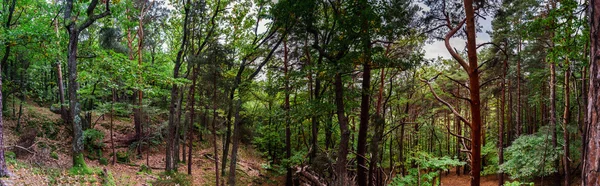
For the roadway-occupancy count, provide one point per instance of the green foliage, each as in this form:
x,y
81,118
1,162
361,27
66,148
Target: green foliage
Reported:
x,y
108,179
145,169
428,168
531,156
93,141
489,152
10,157
123,157
103,161
54,155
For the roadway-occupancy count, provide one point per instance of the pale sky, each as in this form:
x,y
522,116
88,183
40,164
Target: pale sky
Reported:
x,y
437,48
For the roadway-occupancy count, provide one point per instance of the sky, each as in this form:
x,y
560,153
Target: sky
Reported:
x,y
435,49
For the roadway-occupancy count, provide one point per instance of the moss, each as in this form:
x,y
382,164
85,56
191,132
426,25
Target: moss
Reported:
x,y
145,169
79,166
54,155
108,179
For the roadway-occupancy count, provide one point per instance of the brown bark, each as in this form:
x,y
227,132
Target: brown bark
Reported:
x,y
173,107
112,115
365,102
341,172
74,30
566,116
591,162
214,130
518,123
288,133
191,101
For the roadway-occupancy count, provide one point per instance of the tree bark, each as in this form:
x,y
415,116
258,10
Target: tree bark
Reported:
x,y
172,128
566,116
341,172
591,163
362,168
288,133
473,72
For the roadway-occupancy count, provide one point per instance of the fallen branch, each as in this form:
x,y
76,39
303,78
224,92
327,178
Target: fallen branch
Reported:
x,y
312,178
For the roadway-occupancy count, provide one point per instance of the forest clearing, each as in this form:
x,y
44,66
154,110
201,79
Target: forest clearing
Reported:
x,y
300,92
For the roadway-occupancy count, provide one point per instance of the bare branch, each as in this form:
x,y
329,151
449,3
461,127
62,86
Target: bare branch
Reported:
x,y
462,84
446,103
455,55
456,135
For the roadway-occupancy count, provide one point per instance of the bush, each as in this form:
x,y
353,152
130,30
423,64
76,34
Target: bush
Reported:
x,y
123,157
103,161
531,156
428,168
93,140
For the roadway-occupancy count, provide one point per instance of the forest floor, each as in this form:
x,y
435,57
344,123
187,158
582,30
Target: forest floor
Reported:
x,y
453,179
46,160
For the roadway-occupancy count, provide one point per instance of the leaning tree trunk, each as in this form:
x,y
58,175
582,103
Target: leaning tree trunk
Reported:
x,y
590,173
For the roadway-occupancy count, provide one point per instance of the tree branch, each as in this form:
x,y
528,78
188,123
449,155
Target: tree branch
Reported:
x,y
455,55
92,18
446,103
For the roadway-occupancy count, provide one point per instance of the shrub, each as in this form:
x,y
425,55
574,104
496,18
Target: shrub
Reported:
x,y
93,140
103,161
123,157
428,168
531,156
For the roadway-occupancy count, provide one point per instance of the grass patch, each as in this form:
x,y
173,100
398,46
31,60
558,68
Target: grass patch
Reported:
x,y
173,178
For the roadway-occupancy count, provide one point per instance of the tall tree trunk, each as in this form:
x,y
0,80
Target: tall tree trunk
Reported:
x,y
341,172
288,133
501,123
112,115
591,163
473,72
566,116
365,98
518,116
3,169
172,133
235,143
214,130
553,106
191,101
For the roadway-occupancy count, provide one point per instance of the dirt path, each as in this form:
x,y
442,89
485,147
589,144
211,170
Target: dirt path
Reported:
x,y
454,180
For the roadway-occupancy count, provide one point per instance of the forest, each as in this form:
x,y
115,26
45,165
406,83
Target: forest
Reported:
x,y
300,92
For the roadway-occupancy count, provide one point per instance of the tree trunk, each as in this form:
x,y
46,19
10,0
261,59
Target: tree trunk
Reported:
x,y
3,169
566,116
172,128
518,116
473,72
501,123
365,99
214,130
341,174
112,115
235,143
288,133
591,163
191,101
